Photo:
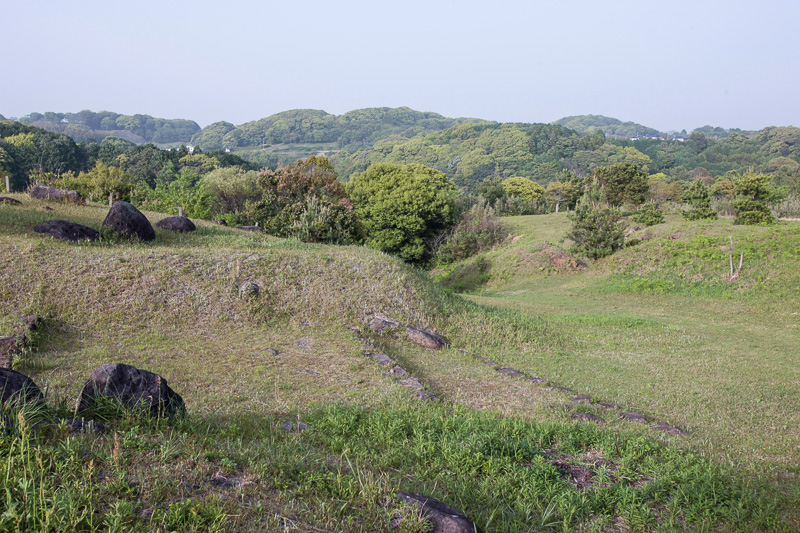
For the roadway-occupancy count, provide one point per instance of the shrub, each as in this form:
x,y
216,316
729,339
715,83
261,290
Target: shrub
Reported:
x,y
698,197
479,229
595,229
753,193
649,214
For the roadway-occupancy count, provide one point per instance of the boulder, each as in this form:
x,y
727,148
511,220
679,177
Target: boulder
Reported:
x,y
67,231
133,388
427,339
43,192
124,218
180,224
443,518
9,201
15,386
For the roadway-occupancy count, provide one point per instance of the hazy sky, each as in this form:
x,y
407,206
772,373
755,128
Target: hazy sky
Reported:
x,y
669,65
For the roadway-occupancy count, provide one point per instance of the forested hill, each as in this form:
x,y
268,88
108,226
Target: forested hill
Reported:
x,y
90,126
610,126
470,153
351,131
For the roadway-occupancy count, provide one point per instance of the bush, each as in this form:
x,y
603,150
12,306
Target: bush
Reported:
x,y
595,229
649,215
479,229
753,193
698,196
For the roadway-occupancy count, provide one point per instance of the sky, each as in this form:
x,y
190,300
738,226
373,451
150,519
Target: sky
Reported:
x,y
670,65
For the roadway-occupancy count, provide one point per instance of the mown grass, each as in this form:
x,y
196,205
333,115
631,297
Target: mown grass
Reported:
x,y
174,307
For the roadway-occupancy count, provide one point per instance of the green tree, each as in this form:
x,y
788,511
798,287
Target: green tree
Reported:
x,y
752,195
528,190
623,183
182,192
492,190
698,196
99,182
560,193
595,229
232,191
403,207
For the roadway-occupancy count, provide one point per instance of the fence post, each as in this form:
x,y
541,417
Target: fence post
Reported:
x,y
110,199
180,211
8,185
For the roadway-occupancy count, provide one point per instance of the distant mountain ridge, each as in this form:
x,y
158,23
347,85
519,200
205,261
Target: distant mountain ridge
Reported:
x,y
611,127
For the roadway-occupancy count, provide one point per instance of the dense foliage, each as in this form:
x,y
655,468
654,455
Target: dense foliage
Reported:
x,y
649,214
699,199
753,194
596,229
609,126
403,207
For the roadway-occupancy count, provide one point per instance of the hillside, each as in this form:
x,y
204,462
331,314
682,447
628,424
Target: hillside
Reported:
x,y
95,126
611,127
247,367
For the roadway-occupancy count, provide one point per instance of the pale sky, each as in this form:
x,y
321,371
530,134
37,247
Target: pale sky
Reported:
x,y
670,65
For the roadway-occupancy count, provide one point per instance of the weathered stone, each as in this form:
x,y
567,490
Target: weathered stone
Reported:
x,y
47,208
587,417
179,224
443,518
67,231
379,324
534,379
127,220
510,372
43,192
670,430
424,395
249,289
249,228
132,387
607,405
9,201
633,417
411,383
425,338
398,372
485,361
18,387
295,426
381,358
221,222
582,398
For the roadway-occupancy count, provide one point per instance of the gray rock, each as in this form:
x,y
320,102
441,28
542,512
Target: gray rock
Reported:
x,y
43,192
67,231
582,398
294,426
411,383
398,372
510,372
534,379
220,222
587,417
15,387
179,224
485,361
132,387
379,324
249,289
127,220
424,395
634,417
249,228
381,358
9,201
425,338
445,519
607,405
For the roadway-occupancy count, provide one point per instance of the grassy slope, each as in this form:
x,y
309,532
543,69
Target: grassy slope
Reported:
x,y
173,307
659,327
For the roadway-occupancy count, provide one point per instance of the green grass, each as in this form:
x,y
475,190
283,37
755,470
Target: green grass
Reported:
x,y
173,307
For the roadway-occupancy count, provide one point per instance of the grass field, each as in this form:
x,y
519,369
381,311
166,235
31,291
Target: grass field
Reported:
x,y
502,449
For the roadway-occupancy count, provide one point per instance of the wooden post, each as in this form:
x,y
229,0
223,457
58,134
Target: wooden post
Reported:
x,y
110,199
180,211
8,185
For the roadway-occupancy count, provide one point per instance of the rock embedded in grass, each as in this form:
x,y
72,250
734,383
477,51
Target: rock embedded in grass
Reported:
x,y
582,398
295,426
132,387
15,387
607,405
426,339
124,218
443,518
411,383
249,289
379,324
381,358
633,417
670,430
398,372
220,222
249,228
9,201
510,372
44,192
67,231
179,224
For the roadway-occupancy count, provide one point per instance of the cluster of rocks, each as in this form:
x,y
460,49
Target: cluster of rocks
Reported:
x,y
43,192
128,386
629,416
